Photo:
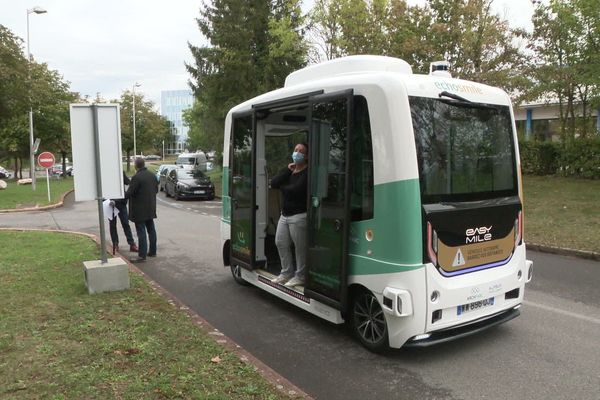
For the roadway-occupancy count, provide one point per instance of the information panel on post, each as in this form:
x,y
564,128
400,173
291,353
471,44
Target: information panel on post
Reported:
x,y
84,154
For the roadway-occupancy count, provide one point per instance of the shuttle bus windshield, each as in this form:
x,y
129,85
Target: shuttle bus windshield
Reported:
x,y
465,150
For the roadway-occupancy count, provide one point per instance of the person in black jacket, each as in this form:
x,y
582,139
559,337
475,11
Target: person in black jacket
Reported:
x,y
142,208
121,205
292,181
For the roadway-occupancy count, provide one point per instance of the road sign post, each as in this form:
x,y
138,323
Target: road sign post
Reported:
x,y
46,160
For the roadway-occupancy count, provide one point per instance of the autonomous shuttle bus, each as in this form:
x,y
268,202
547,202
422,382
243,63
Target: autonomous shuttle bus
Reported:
x,y
415,219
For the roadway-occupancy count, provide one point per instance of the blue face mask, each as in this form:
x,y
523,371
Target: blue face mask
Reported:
x,y
297,157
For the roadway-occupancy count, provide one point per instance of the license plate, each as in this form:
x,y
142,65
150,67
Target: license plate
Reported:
x,y
198,191
476,305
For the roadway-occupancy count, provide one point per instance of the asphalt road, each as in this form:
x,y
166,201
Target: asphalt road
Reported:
x,y
552,351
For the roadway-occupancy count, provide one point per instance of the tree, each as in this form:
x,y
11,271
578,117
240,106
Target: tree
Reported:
x,y
34,85
254,45
14,134
151,128
566,42
479,45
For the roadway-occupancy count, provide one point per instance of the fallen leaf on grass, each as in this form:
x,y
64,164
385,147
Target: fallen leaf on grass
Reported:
x,y
216,359
127,352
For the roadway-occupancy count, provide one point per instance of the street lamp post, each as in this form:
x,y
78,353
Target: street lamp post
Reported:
x,y
36,10
134,141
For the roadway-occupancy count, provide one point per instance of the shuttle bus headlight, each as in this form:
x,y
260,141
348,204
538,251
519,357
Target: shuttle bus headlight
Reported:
x,y
435,295
529,266
519,275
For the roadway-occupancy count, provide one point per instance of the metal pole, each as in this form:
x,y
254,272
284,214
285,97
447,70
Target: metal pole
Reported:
x,y
99,184
163,154
134,145
48,182
31,159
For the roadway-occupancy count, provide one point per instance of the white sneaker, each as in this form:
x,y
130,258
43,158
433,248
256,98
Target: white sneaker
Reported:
x,y
295,281
281,279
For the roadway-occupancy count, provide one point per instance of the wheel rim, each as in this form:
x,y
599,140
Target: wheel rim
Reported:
x,y
369,319
237,271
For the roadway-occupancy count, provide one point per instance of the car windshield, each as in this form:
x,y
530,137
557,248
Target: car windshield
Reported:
x,y
186,160
465,150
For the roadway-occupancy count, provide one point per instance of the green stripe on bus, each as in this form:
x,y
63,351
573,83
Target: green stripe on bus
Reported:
x,y
397,234
225,199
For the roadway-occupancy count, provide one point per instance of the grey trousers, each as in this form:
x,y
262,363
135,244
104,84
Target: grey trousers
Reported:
x,y
292,229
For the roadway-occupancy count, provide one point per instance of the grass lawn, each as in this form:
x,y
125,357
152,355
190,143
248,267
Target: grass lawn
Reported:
x,y
22,196
58,342
562,212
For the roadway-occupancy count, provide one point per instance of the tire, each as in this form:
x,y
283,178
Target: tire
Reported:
x,y
368,322
236,272
167,192
176,196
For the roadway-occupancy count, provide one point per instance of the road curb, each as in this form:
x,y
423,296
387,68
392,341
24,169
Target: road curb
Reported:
x,y
43,208
279,382
563,251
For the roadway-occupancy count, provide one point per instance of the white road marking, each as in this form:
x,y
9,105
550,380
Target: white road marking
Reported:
x,y
563,312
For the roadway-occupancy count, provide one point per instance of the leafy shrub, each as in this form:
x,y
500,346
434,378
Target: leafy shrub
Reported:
x,y
581,158
539,158
576,158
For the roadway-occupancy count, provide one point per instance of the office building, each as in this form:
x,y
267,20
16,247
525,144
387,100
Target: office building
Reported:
x,y
172,105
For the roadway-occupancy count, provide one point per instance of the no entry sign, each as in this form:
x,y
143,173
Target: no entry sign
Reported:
x,y
46,159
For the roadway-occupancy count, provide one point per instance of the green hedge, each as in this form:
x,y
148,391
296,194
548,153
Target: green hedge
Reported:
x,y
575,158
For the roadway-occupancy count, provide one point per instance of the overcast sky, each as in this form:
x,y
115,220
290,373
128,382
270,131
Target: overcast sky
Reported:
x,y
106,46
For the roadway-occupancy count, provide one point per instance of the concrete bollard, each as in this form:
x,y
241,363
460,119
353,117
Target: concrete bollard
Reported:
x,y
108,277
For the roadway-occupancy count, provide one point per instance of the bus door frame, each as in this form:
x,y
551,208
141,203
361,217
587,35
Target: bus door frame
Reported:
x,y
312,289
248,263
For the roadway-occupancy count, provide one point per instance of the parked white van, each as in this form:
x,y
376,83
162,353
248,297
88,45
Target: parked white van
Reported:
x,y
192,160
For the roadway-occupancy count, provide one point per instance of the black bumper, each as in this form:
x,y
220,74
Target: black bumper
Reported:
x,y
461,331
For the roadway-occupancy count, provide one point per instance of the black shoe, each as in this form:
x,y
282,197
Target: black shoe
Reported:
x,y
151,254
138,260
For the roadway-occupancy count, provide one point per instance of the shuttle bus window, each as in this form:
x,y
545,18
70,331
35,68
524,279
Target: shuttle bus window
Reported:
x,y
361,200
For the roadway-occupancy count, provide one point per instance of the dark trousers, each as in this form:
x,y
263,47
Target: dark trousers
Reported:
x,y
124,218
141,228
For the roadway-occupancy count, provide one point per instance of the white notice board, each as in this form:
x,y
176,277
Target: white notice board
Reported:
x,y
84,154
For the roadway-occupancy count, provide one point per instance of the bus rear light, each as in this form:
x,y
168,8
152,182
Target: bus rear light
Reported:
x,y
430,250
518,228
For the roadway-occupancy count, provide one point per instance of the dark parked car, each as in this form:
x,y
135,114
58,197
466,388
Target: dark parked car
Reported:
x,y
162,173
184,183
152,157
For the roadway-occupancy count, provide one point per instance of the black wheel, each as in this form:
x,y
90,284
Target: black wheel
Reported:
x,y
167,192
176,195
236,271
368,322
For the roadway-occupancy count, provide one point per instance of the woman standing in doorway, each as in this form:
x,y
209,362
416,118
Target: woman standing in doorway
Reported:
x,y
291,227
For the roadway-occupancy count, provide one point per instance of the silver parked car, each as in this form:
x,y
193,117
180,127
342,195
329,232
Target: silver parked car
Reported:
x,y
162,173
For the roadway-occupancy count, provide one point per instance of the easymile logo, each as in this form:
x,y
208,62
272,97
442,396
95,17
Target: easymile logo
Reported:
x,y
478,235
